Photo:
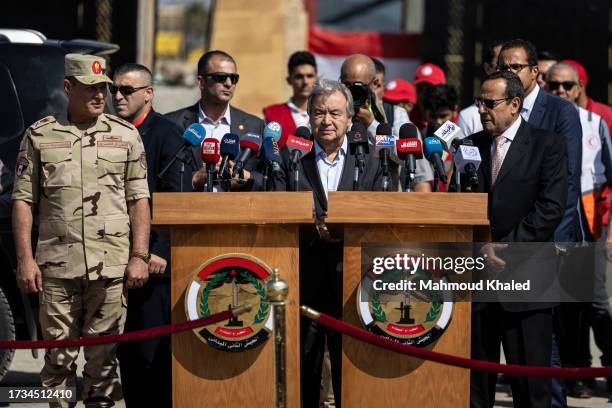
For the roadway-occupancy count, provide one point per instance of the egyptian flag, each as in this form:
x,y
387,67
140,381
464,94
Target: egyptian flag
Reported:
x,y
398,51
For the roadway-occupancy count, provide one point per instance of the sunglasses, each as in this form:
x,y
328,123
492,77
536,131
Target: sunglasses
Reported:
x,y
516,68
489,103
567,85
221,77
125,90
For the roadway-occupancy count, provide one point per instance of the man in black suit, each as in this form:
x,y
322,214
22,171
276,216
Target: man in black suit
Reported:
x,y
217,80
327,167
524,171
146,366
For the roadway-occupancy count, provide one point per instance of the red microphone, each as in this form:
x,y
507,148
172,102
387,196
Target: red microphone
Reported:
x,y
409,146
297,147
210,156
409,149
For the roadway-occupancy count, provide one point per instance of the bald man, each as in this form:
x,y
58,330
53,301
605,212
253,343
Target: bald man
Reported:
x,y
358,73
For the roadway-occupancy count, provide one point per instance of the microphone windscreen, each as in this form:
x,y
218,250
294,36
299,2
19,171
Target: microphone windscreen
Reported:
x,y
194,134
251,141
273,130
408,131
270,150
383,129
303,132
432,145
230,145
210,150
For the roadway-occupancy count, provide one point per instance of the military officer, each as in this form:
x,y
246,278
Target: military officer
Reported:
x,y
86,173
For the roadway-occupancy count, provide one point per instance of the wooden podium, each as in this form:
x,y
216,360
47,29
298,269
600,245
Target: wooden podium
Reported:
x,y
371,376
204,226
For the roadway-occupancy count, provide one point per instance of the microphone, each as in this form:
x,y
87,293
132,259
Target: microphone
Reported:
x,y
192,136
433,150
297,147
210,156
249,146
358,147
409,149
303,132
229,149
467,160
273,130
385,143
271,153
448,132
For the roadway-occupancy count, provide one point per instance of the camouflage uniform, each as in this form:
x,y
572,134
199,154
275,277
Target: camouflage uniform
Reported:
x,y
80,178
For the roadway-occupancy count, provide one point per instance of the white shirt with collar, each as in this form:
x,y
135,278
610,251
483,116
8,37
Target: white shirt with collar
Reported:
x,y
219,129
300,118
330,172
510,134
528,103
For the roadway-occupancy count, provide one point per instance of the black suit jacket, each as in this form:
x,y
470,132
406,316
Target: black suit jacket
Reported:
x,y
242,123
369,180
161,139
526,204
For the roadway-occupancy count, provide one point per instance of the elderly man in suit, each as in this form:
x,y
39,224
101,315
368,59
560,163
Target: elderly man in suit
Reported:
x,y
327,167
217,80
524,171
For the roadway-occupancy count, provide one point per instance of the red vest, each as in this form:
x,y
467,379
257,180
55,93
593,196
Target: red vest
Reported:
x,y
282,114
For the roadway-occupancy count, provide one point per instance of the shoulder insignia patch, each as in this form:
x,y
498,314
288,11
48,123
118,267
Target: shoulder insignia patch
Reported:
x,y
43,121
143,160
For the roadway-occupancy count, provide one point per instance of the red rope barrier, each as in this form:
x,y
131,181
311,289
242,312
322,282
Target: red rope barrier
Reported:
x,y
510,369
118,338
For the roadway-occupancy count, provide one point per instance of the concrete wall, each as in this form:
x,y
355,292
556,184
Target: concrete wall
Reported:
x,y
260,35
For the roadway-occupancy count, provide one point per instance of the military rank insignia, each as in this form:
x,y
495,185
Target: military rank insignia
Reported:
x,y
225,282
21,166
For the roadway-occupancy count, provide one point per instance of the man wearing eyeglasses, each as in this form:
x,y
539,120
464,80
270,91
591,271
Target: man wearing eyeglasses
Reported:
x,y
549,112
562,80
217,80
146,366
523,170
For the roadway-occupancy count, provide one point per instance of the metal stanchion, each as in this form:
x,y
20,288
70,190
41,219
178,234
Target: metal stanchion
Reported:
x,y
276,291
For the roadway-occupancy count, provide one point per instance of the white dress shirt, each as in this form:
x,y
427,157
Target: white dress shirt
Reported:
x,y
528,103
300,118
219,129
510,133
330,172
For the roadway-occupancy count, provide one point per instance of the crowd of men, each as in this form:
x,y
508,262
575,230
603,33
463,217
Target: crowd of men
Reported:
x,y
99,267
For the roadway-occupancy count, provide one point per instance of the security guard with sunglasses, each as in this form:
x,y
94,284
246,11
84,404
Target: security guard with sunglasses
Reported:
x,y
86,174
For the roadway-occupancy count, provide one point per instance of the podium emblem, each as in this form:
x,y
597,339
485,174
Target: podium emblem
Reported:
x,y
224,282
409,315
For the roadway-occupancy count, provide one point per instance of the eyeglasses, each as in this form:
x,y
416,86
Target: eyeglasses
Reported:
x,y
489,103
125,90
516,68
221,77
567,85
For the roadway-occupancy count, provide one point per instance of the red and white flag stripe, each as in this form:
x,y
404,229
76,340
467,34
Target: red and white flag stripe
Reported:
x,y
399,52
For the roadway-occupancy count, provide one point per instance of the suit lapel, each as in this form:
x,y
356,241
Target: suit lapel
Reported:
x,y
309,165
346,180
237,126
539,107
191,116
515,152
484,145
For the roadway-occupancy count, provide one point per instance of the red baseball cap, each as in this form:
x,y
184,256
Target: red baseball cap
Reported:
x,y
400,90
582,75
429,73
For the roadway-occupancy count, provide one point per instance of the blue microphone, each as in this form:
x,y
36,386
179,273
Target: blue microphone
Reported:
x,y
192,136
433,150
271,153
273,130
229,149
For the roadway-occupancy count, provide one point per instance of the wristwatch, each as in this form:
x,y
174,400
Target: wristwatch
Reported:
x,y
145,257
